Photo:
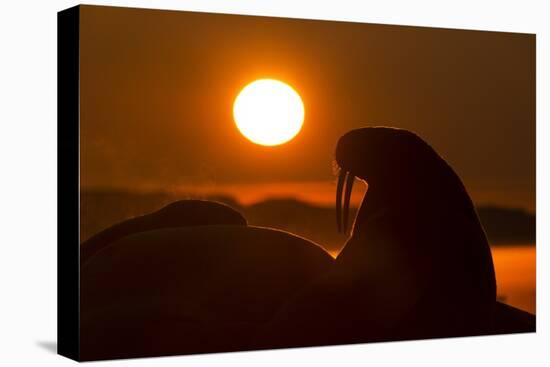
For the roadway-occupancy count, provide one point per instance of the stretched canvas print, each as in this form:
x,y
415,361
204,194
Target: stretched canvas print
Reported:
x,y
231,183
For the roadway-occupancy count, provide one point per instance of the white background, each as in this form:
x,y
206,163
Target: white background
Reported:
x,y
28,182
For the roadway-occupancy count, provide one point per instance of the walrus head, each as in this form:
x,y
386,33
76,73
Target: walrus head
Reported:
x,y
398,166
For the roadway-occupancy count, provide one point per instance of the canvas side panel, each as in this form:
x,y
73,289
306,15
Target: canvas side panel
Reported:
x,y
68,182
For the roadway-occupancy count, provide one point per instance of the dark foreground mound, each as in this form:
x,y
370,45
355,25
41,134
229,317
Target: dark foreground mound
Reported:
x,y
190,290
182,213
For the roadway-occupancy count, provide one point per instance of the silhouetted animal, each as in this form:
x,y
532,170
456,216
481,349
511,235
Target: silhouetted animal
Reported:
x,y
417,264
418,216
183,213
190,290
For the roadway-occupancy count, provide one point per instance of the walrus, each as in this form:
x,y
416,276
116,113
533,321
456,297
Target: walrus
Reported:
x,y
168,288
417,263
181,213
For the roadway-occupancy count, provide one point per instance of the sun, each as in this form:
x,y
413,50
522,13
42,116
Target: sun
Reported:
x,y
268,112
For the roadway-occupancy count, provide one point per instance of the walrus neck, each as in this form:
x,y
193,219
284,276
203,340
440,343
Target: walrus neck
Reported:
x,y
380,202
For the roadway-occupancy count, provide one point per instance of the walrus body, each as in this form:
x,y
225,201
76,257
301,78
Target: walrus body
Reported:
x,y
417,264
182,213
418,220
191,290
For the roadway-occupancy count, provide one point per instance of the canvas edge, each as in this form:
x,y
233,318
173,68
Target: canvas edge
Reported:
x,y
68,191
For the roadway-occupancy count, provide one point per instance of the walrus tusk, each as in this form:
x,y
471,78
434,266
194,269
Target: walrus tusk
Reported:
x,y
344,179
339,187
347,197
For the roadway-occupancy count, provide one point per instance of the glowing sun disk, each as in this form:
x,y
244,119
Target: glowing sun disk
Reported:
x,y
268,112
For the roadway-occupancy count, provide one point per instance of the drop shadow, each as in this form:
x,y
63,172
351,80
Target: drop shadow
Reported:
x,y
50,346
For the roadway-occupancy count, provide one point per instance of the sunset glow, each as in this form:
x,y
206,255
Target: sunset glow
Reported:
x,y
268,112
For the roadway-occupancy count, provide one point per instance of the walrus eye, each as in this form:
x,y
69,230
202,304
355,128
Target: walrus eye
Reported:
x,y
344,179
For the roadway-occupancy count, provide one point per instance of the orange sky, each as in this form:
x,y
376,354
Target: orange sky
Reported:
x,y
157,89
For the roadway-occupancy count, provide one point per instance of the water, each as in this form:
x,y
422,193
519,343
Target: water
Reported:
x,y
515,268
